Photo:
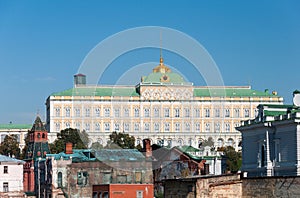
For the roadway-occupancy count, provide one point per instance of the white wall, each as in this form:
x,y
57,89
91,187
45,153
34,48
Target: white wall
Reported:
x,y
14,177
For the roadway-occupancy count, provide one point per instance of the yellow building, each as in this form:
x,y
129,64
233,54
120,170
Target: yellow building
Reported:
x,y
162,107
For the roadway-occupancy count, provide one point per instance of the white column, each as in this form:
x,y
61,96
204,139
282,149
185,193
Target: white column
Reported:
x,y
269,163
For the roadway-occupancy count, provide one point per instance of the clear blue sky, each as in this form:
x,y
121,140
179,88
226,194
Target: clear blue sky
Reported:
x,y
42,43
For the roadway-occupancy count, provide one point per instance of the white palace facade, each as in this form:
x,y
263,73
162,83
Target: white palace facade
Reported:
x,y
162,107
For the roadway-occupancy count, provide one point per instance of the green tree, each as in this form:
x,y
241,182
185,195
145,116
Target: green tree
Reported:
x,y
233,159
10,146
208,142
23,154
122,140
96,146
79,140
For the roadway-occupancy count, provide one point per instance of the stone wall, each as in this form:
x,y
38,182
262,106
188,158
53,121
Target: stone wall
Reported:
x,y
205,186
271,187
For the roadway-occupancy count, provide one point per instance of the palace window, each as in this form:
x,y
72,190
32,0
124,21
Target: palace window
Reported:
x,y
126,127
177,113
207,127
197,113
246,113
117,112
207,113
117,127
68,111
97,112
57,112
217,127
126,112
156,127
146,112
57,126
186,112
217,113
107,127
177,126
68,125
167,112
77,112
87,112
167,126
107,112
147,127
136,127
236,113
97,126
197,126
227,127
227,113
187,126
5,170
156,112
136,112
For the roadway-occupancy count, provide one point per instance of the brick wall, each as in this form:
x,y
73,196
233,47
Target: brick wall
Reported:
x,y
209,186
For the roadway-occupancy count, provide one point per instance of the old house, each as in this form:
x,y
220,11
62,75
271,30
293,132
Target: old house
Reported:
x,y
84,172
11,176
271,141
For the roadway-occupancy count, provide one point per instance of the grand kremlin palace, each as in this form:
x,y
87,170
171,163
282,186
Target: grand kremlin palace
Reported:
x,y
162,107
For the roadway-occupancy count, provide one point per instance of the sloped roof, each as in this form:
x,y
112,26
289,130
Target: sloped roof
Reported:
x,y
119,154
38,125
98,91
4,158
78,155
230,92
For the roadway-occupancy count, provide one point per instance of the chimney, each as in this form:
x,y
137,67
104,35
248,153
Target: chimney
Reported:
x,y
147,147
69,148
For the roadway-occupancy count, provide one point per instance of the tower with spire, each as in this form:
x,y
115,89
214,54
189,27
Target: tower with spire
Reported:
x,y
37,149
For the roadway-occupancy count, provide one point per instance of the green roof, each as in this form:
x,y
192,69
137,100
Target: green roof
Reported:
x,y
230,92
15,126
98,91
274,113
154,78
78,155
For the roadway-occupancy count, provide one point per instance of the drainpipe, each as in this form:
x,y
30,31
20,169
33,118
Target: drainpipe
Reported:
x,y
269,163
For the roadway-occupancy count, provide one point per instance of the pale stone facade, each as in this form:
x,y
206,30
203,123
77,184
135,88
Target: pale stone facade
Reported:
x,y
162,107
20,130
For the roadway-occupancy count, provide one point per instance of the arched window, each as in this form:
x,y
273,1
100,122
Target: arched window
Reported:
x,y
59,179
43,135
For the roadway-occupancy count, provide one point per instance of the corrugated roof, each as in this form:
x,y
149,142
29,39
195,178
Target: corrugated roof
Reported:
x,y
119,154
4,158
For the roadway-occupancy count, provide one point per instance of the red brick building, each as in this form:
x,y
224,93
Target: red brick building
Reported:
x,y
123,190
